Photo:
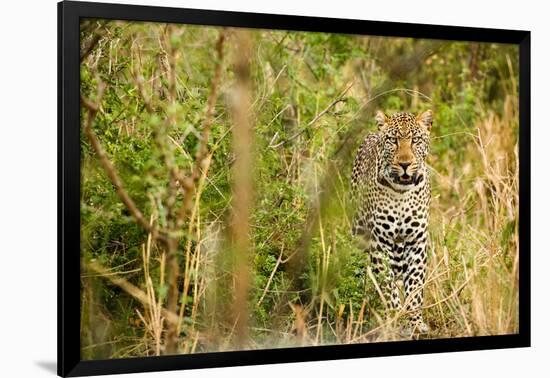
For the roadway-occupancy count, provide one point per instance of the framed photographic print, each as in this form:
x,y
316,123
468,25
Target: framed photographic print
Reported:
x,y
239,188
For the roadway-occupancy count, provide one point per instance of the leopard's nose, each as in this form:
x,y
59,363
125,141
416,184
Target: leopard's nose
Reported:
x,y
404,166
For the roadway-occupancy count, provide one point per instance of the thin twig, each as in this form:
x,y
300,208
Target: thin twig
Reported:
x,y
266,289
317,117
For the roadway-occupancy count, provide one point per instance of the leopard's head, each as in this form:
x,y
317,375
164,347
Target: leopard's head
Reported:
x,y
405,143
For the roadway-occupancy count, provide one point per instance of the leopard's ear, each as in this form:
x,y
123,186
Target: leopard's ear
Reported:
x,y
381,119
425,119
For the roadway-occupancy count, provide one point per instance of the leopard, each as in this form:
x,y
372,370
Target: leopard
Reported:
x,y
391,191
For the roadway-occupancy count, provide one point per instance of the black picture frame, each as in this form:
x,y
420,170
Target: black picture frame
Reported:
x,y
69,14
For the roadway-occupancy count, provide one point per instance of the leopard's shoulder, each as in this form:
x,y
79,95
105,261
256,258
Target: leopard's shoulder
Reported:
x,y
365,159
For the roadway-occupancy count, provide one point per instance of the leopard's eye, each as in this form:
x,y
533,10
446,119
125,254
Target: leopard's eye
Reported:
x,y
393,140
416,139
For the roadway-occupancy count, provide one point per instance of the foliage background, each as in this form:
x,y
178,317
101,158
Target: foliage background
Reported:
x,y
312,100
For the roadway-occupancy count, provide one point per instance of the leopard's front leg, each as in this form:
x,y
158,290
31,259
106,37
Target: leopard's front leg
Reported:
x,y
414,280
381,267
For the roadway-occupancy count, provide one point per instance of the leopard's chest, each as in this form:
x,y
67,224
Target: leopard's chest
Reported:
x,y
399,218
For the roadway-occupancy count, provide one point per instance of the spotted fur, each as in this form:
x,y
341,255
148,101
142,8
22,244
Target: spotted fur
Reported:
x,y
391,190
